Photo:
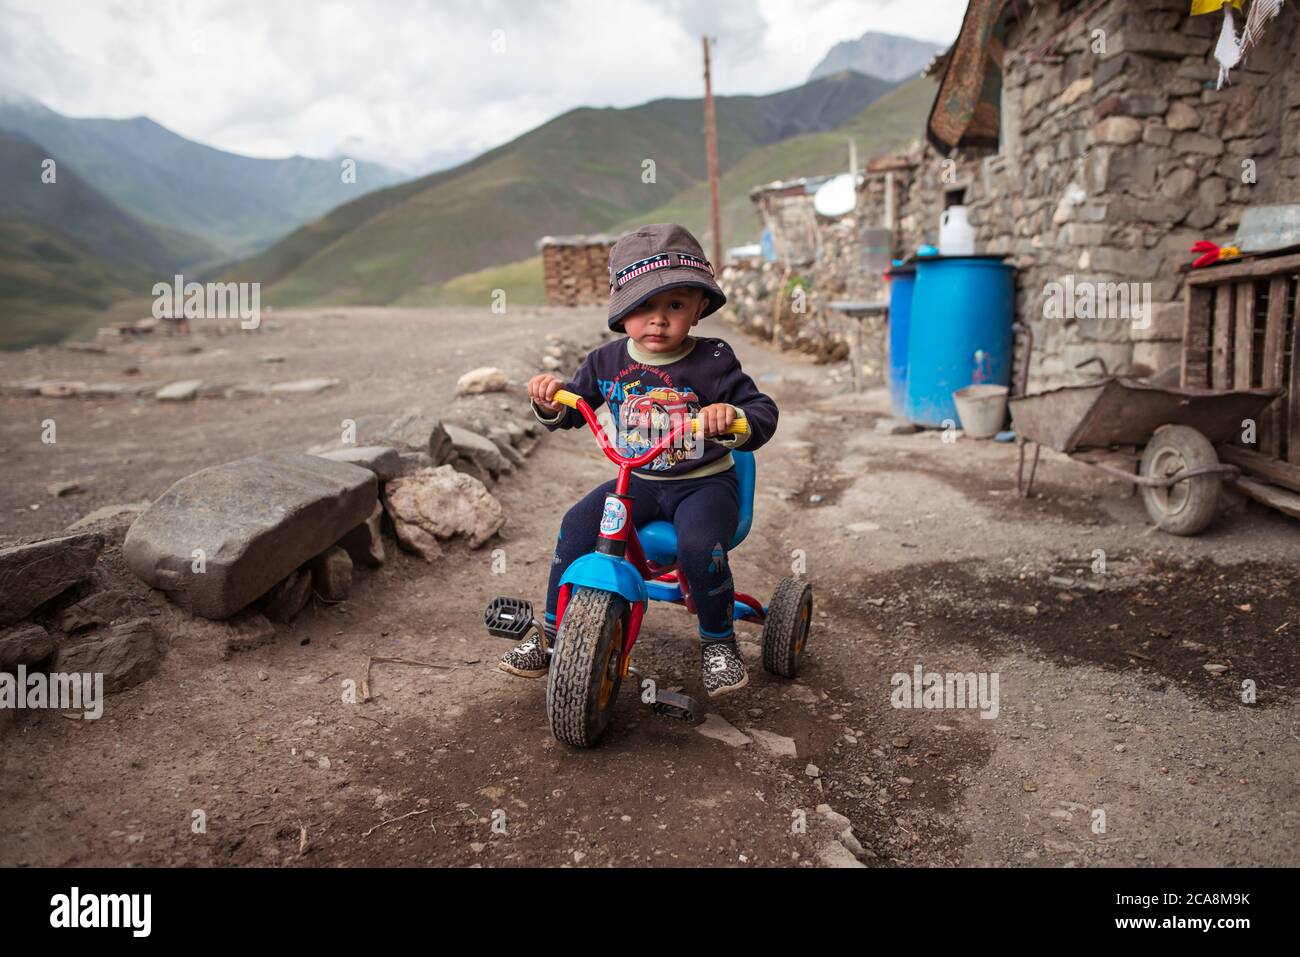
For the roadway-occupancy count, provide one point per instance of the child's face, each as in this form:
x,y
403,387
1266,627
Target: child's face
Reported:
x,y
660,324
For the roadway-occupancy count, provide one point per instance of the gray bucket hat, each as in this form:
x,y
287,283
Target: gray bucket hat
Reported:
x,y
654,258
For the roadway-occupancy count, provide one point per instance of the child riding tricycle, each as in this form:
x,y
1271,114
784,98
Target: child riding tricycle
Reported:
x,y
604,596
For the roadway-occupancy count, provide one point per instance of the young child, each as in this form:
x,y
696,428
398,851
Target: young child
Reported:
x,y
660,287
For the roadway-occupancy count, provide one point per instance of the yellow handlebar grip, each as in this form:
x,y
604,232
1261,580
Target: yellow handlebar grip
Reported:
x,y
739,427
564,397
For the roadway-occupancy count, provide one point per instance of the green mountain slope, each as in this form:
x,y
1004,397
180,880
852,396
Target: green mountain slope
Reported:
x,y
890,123
581,171
238,203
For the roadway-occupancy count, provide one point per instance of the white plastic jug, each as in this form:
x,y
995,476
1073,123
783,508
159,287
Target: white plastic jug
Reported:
x,y
956,235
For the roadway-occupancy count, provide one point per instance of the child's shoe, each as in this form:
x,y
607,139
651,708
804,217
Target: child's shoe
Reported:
x,y
528,659
724,669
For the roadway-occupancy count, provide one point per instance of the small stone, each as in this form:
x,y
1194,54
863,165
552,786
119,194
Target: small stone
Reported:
x,y
1029,786
812,771
182,391
480,380
902,742
716,727
61,489
1215,669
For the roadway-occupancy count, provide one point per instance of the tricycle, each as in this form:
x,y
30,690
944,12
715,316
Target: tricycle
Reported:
x,y
604,596
1106,422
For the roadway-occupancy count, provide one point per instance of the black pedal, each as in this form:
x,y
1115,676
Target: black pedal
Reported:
x,y
509,618
682,707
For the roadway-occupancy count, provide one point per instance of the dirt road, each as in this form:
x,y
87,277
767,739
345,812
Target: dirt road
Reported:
x,y
1112,743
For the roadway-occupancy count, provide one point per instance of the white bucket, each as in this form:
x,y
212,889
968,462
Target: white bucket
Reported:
x,y
982,409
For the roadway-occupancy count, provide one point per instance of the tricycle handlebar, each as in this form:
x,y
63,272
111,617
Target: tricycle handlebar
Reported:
x,y
576,402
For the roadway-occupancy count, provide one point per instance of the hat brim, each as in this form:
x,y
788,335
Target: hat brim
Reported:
x,y
660,280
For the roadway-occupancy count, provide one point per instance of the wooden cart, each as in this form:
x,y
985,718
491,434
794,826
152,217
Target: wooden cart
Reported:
x,y
1240,333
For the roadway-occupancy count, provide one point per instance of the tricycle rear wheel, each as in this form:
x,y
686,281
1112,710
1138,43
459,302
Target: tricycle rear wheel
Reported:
x,y
785,633
586,667
1186,507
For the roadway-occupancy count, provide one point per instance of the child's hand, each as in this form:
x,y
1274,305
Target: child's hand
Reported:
x,y
542,388
717,418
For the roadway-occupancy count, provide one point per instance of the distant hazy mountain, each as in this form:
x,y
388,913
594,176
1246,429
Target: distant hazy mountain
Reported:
x,y
239,204
67,252
582,171
878,54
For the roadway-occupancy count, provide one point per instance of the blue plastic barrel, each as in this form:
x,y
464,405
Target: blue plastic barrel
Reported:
x,y
959,333
902,279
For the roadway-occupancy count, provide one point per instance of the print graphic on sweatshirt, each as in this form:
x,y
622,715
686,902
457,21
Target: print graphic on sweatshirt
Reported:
x,y
646,405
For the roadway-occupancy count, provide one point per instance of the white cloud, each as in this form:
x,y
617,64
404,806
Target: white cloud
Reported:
x,y
403,80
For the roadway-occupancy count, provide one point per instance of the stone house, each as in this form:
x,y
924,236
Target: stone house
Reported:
x,y
1090,144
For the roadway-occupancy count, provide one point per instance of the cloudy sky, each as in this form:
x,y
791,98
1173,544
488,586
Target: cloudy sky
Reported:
x,y
413,83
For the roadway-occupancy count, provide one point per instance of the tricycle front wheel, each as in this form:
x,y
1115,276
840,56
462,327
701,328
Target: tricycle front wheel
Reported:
x,y
1186,507
586,667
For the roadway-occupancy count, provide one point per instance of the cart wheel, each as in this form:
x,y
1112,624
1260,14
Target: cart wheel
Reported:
x,y
585,672
1187,507
785,633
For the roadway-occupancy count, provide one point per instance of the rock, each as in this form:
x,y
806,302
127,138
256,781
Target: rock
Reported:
x,y
365,543
383,460
127,655
501,438
24,645
835,854
255,520
1182,117
442,502
99,608
182,391
478,449
285,600
111,521
60,489
415,461
413,432
303,386
860,527
716,727
1118,130
248,630
813,771
482,379
551,363
331,574
1215,669
32,574
854,846
837,820
270,358
777,745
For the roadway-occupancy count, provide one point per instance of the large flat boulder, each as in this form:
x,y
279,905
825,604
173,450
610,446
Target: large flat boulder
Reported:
x,y
32,574
255,519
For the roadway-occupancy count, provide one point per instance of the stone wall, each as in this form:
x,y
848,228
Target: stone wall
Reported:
x,y
575,269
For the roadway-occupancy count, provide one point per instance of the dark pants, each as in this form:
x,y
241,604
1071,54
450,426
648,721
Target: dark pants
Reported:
x,y
704,512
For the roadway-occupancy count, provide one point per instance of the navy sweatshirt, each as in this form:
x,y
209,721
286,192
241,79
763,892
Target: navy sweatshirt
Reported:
x,y
645,390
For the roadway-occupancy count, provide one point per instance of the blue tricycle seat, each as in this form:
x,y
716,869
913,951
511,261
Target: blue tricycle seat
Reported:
x,y
659,538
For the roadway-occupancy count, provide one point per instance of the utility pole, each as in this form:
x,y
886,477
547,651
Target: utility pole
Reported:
x,y
711,146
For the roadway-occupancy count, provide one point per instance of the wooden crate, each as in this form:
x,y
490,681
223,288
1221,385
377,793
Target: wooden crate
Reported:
x,y
1240,332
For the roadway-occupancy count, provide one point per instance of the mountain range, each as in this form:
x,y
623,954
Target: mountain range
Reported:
x,y
587,170
132,203
879,54
231,205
